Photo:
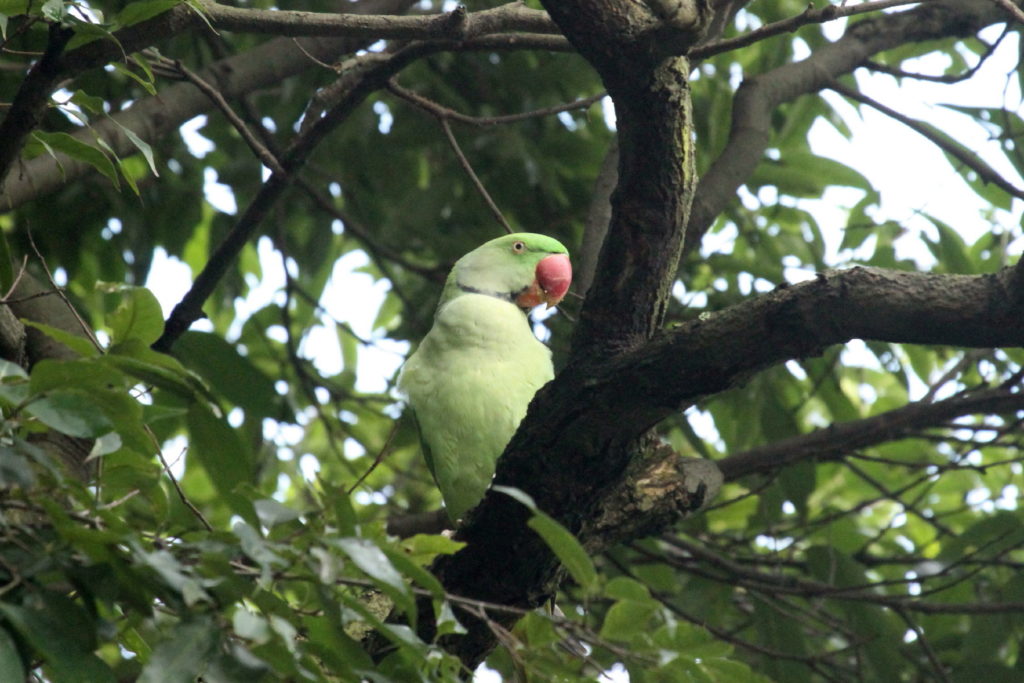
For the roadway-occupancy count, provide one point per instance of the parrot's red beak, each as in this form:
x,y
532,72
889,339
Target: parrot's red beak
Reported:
x,y
551,281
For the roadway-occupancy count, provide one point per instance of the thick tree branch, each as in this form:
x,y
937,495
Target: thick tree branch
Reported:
x,y
456,25
34,94
808,16
26,111
839,440
759,95
706,356
263,66
625,42
724,569
154,117
590,416
656,170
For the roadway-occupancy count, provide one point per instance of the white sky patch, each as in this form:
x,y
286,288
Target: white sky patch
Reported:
x,y
218,194
264,290
608,109
309,465
170,279
354,297
198,145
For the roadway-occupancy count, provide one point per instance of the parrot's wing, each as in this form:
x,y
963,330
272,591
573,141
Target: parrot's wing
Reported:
x,y
424,446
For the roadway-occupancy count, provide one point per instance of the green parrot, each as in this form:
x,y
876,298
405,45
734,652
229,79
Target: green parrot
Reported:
x,y
473,376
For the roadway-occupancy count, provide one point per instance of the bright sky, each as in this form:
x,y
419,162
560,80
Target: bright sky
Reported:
x,y
913,176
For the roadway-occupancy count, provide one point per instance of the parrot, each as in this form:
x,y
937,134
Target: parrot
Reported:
x,y
473,375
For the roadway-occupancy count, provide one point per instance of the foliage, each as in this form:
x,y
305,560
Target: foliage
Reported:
x,y
238,528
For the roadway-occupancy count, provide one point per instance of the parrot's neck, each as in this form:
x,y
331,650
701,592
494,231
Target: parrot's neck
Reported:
x,y
503,296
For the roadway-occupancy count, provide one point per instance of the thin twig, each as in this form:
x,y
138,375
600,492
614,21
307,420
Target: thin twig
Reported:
x,y
1014,11
444,115
291,349
926,647
384,452
59,291
442,111
945,78
330,67
174,482
258,148
966,157
464,162
366,79
808,16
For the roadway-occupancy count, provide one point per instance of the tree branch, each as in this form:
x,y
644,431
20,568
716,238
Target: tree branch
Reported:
x,y
808,16
264,66
758,96
839,440
34,94
587,418
625,42
455,25
154,117
26,111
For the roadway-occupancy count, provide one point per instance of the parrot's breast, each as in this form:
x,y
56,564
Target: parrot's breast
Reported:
x,y
469,384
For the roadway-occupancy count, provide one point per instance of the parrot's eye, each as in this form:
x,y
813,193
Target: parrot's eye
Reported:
x,y
518,247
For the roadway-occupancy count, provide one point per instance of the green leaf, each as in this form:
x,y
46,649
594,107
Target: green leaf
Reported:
x,y
225,458
87,102
562,543
63,636
228,372
138,317
77,343
11,370
568,550
950,250
78,150
271,513
803,174
70,412
183,657
139,143
85,375
11,666
87,32
16,8
625,588
53,10
423,548
627,619
137,360
15,470
415,572
372,561
145,83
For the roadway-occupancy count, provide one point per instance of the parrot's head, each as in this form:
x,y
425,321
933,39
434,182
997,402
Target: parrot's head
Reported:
x,y
525,268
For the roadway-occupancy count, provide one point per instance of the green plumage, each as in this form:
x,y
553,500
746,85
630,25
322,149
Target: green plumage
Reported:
x,y
473,376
